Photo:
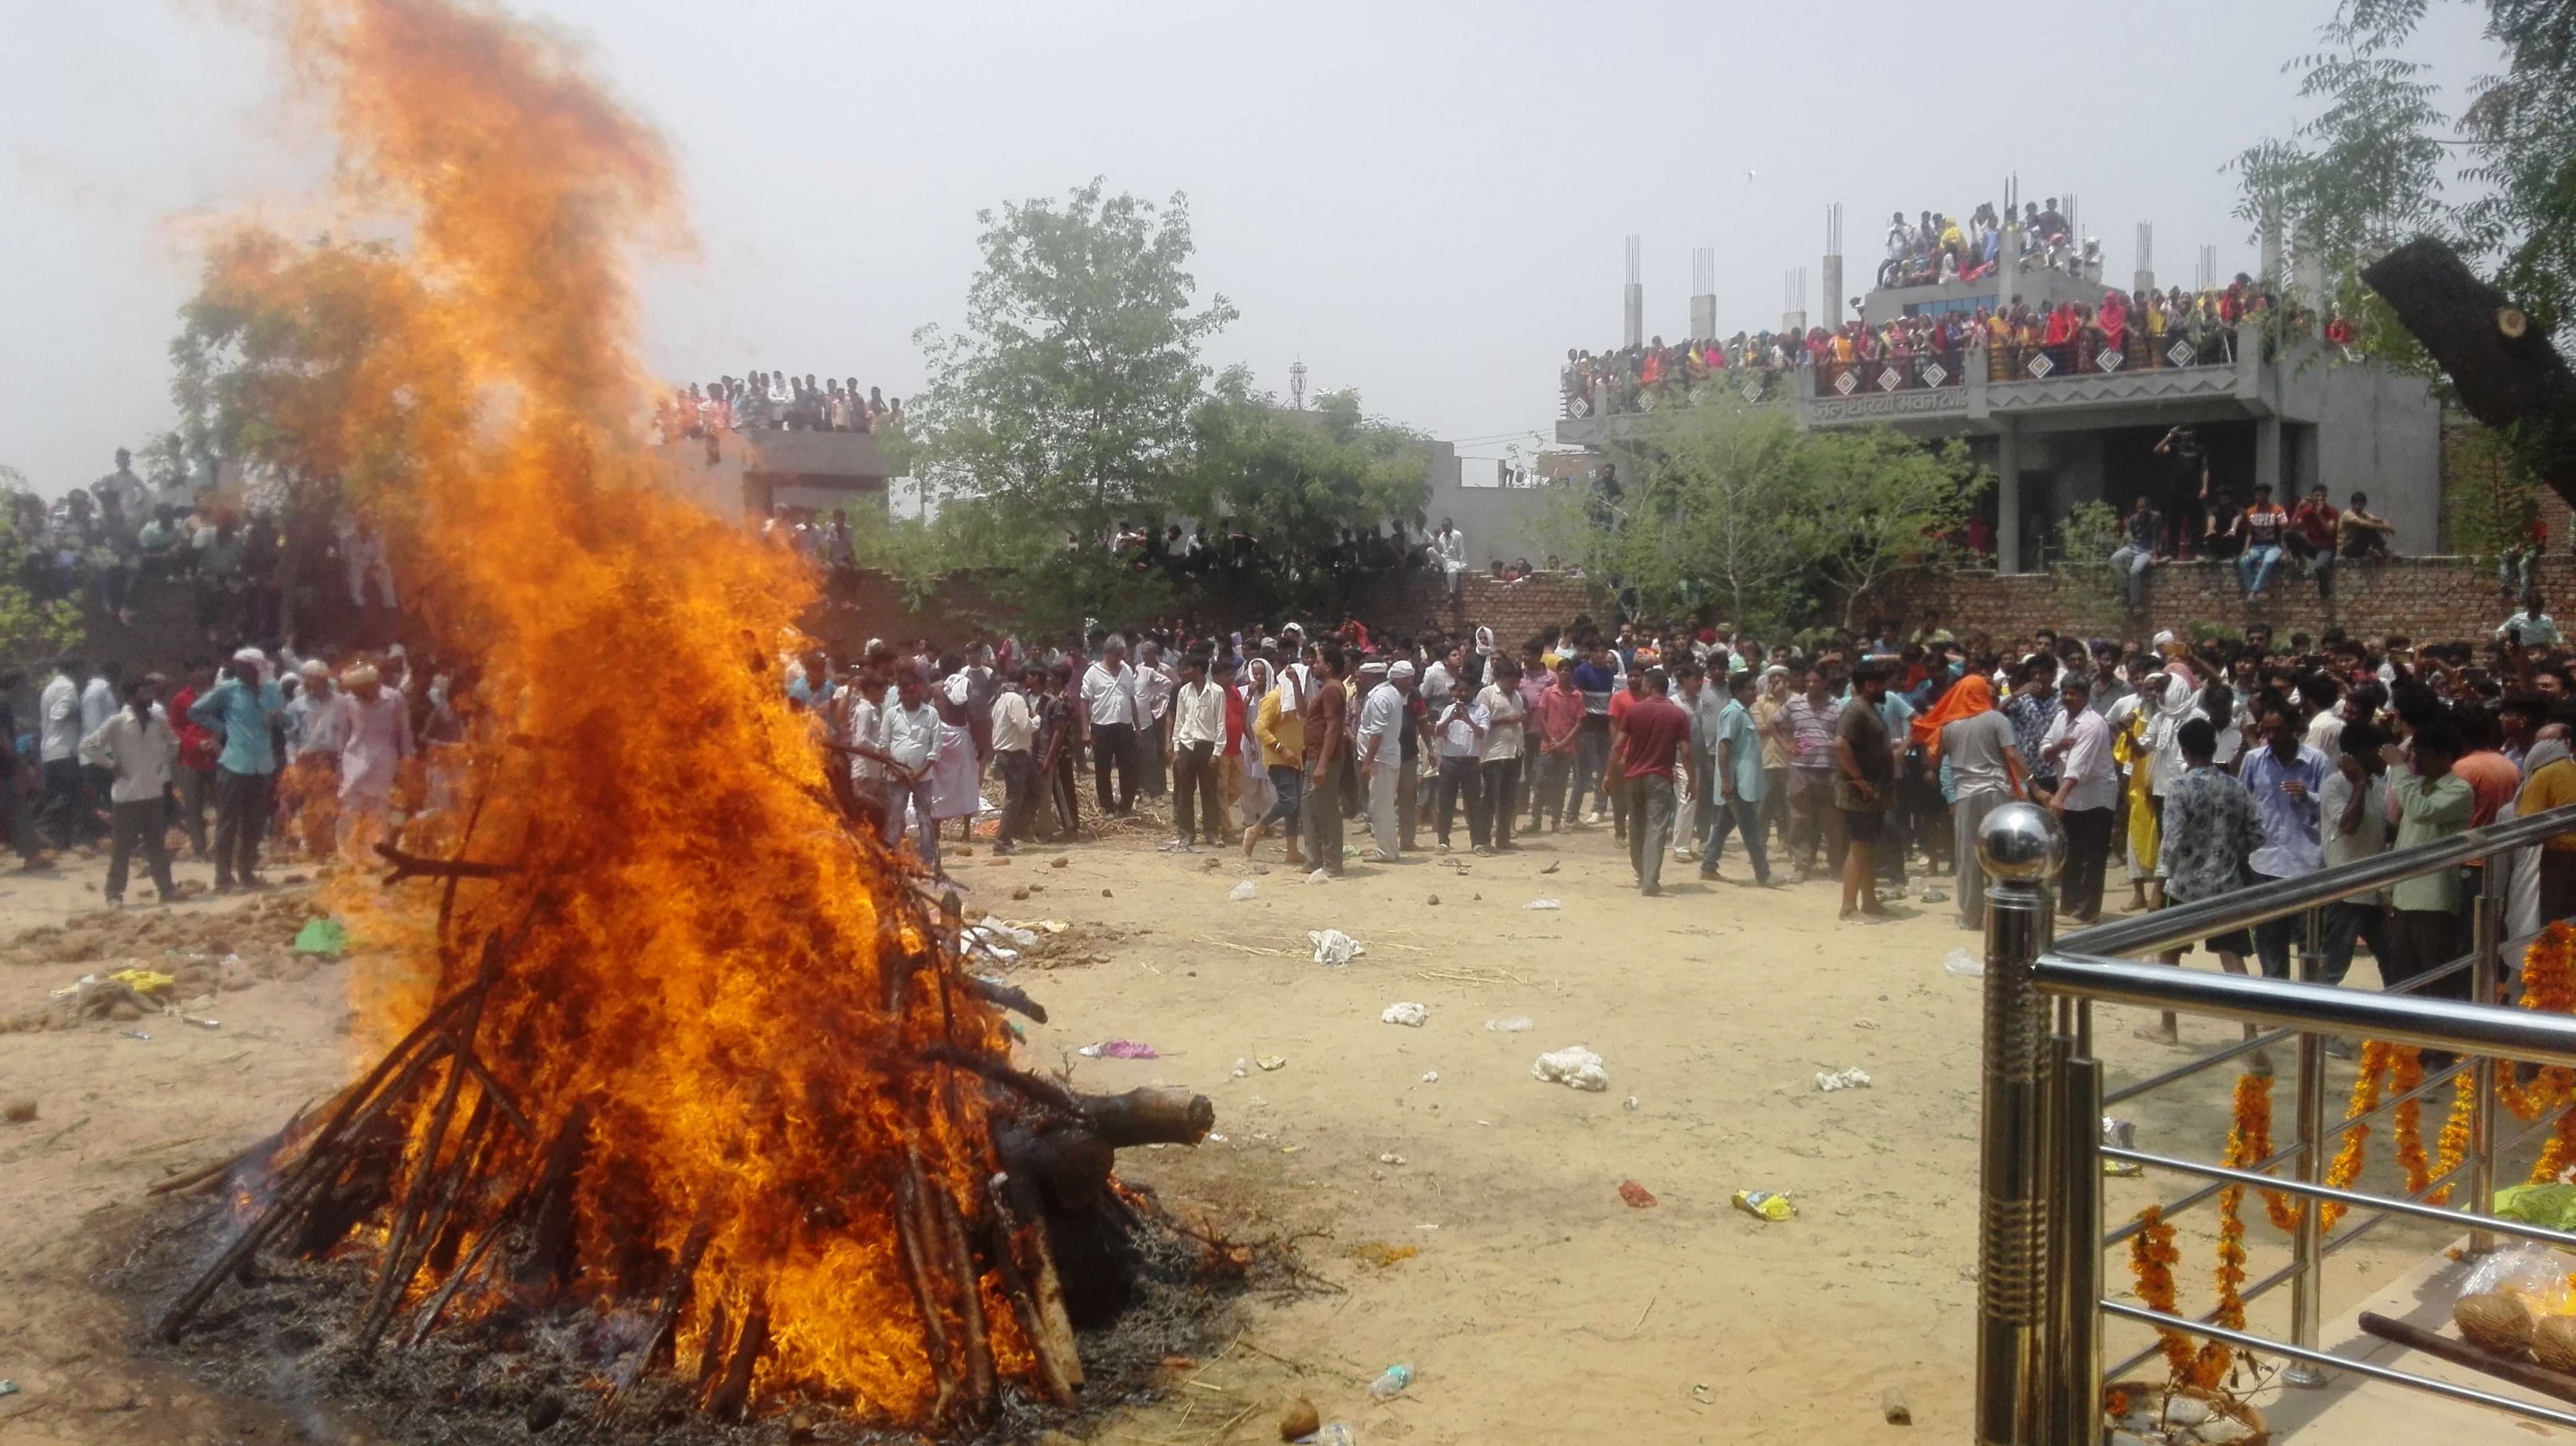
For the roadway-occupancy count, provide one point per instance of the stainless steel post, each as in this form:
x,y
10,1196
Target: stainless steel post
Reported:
x,y
2307,1242
2022,848
2487,940
2075,1243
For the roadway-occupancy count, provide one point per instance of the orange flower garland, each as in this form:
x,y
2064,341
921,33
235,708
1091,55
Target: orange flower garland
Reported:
x,y
2454,1144
2152,1257
2249,1143
2375,1062
2209,1367
2408,1127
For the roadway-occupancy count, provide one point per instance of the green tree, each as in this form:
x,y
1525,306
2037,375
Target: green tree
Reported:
x,y
1735,505
303,364
1689,515
2365,171
31,633
1064,406
1871,502
1297,483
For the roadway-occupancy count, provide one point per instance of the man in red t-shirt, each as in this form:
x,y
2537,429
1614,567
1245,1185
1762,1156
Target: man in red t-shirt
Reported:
x,y
1655,731
2312,537
195,775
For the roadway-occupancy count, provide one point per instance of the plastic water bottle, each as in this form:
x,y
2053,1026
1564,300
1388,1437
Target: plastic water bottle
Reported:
x,y
1397,1377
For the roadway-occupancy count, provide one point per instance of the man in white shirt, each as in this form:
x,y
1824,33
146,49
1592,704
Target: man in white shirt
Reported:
x,y
2078,746
1506,727
136,749
1015,733
865,721
1109,702
1156,681
1458,730
67,813
1380,755
1198,741
2352,825
1449,547
370,727
98,703
909,738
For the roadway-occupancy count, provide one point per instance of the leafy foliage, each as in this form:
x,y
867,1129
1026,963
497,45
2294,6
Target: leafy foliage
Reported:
x,y
1733,506
284,362
31,632
2489,498
2366,170
2086,539
1066,401
1075,402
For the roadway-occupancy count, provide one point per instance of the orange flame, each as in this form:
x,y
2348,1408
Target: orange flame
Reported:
x,y
704,953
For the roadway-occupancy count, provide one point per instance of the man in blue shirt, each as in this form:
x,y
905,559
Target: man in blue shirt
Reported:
x,y
239,709
1737,783
2286,778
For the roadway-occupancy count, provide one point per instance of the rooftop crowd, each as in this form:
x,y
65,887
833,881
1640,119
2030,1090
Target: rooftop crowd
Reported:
x,y
773,401
2127,330
100,545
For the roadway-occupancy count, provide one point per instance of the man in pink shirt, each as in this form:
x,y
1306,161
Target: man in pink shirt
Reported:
x,y
1555,725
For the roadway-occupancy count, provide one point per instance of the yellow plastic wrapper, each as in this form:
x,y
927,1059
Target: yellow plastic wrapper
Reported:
x,y
1765,1204
144,981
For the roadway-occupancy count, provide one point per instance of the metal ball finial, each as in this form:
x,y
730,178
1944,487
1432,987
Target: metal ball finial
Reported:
x,y
2021,843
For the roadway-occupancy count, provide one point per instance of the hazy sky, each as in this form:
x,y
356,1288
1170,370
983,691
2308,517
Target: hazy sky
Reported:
x,y
1423,201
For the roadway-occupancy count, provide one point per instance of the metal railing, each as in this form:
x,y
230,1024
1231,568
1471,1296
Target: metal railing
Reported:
x,y
2040,1374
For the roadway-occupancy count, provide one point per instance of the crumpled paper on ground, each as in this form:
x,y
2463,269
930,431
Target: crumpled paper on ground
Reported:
x,y
1332,946
1406,1013
1574,1067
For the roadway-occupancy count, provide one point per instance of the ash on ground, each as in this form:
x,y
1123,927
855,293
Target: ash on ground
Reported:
x,y
285,1336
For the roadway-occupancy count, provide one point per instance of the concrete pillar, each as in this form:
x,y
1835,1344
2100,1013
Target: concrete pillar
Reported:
x,y
1833,312
2267,455
1632,303
2008,496
2008,267
1703,318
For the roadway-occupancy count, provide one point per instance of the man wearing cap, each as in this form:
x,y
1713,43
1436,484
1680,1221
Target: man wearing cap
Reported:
x,y
1381,743
137,749
373,731
239,709
312,754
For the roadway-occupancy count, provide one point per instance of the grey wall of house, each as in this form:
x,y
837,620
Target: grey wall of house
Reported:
x,y
2374,431
1501,523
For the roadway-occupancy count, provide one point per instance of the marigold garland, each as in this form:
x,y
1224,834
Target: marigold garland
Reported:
x,y
2152,1257
2407,1127
2209,1366
2454,1144
2249,1144
2376,1059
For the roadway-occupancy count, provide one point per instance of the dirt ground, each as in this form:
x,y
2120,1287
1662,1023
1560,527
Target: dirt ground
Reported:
x,y
1472,1225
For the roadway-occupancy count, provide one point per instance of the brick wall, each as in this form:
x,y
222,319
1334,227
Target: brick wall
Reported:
x,y
2424,598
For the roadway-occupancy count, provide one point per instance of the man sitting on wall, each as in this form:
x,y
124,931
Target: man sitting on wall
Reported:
x,y
2363,533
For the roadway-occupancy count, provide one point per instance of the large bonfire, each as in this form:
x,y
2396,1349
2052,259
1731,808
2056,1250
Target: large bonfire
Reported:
x,y
659,1038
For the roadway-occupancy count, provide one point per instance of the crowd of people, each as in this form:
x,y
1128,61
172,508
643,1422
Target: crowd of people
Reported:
x,y
773,401
1934,248
101,545
2187,768
226,753
2199,767
2146,330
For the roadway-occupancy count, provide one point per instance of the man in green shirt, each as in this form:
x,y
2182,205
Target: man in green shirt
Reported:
x,y
2432,803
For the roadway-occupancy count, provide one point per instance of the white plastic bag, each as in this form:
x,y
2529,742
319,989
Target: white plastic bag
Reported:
x,y
1406,1013
1964,964
1242,891
1574,1067
1332,946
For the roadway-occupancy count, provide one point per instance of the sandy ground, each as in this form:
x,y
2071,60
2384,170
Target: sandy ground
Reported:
x,y
1534,1303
